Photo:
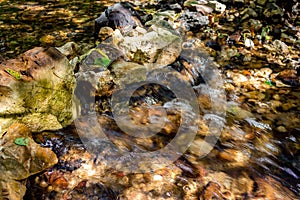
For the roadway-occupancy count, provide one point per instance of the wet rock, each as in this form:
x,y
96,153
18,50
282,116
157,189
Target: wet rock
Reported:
x,y
280,46
217,6
21,157
242,184
252,12
274,104
288,120
236,112
212,191
237,134
281,129
47,40
235,157
193,21
37,89
263,72
289,77
197,147
99,58
199,6
255,95
273,10
255,24
216,184
98,83
120,15
142,188
261,2
220,185
214,45
191,190
170,5
269,189
105,32
248,43
288,38
69,49
227,54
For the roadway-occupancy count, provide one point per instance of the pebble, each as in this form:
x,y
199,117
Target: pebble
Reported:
x,y
261,2
236,157
274,104
255,95
281,46
105,32
287,106
249,44
212,191
252,12
281,129
157,177
276,97
217,6
43,184
263,72
274,11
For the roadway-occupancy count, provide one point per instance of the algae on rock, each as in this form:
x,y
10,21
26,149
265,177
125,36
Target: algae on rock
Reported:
x,y
42,96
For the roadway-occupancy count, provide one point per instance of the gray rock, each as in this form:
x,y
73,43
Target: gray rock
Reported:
x,y
120,15
160,45
193,21
69,49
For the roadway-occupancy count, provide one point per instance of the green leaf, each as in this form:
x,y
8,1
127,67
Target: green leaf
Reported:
x,y
22,141
268,82
104,61
13,73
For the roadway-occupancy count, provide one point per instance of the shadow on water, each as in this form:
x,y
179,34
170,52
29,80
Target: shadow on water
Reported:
x,y
27,24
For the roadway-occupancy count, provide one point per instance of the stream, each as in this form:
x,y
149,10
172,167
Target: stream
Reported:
x,y
249,117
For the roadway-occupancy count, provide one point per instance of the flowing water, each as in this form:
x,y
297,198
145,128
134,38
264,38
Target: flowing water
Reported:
x,y
252,145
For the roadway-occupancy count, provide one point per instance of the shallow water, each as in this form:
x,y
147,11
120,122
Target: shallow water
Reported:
x,y
27,24
250,144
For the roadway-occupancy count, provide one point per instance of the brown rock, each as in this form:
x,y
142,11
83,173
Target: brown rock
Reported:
x,y
21,157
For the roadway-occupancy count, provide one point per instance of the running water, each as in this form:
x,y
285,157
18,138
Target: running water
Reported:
x,y
254,157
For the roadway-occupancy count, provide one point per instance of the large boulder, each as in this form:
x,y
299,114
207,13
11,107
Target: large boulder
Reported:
x,y
160,44
37,89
